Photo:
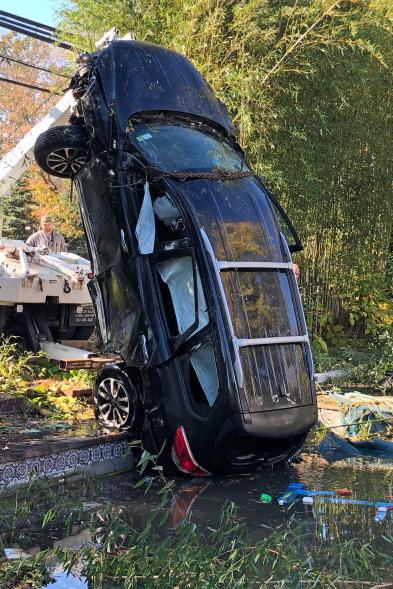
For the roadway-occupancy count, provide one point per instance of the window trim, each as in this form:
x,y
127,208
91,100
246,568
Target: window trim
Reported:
x,y
223,265
266,341
297,246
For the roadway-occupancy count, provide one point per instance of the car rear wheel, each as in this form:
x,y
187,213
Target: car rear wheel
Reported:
x,y
62,151
115,400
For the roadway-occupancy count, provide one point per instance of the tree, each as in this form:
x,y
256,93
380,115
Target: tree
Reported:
x,y
20,109
18,219
309,88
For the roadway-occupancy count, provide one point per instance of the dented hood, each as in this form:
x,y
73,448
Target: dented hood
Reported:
x,y
139,77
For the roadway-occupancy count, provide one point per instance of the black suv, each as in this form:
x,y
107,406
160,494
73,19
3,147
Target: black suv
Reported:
x,y
194,285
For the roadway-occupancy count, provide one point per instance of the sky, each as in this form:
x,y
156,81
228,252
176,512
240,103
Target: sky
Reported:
x,y
42,11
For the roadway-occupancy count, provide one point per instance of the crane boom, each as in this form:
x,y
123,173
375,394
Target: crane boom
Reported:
x,y
16,161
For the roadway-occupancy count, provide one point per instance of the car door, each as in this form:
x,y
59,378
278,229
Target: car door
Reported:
x,y
188,326
114,288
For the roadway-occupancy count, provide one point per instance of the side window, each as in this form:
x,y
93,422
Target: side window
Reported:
x,y
159,220
169,223
186,313
184,303
287,228
202,377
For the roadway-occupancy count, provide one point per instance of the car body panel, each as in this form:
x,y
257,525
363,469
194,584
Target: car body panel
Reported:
x,y
141,77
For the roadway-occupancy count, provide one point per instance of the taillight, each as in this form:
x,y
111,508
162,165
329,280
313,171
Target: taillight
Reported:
x,y
182,455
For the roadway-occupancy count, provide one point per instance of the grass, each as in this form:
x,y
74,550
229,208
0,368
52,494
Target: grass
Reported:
x,y
126,555
316,435
15,367
24,574
30,509
291,556
29,516
366,366
40,381
288,557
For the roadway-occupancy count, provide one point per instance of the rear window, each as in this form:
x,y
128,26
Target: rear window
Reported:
x,y
260,303
276,376
172,147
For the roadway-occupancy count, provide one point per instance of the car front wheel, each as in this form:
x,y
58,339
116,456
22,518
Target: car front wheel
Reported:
x,y
62,151
116,401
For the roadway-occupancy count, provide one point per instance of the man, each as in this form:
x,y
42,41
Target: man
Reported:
x,y
47,237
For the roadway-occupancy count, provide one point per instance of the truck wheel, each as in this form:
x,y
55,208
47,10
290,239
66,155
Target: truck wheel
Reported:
x,y
115,399
62,151
72,333
83,333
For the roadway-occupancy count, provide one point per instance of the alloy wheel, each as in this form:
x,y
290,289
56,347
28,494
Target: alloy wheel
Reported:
x,y
112,403
67,161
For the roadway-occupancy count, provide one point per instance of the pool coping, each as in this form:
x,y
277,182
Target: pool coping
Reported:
x,y
65,458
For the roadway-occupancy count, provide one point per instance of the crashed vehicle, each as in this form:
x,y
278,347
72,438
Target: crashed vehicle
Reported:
x,y
193,279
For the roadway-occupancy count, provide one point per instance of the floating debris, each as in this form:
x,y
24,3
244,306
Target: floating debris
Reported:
x,y
344,492
351,410
265,498
308,500
15,554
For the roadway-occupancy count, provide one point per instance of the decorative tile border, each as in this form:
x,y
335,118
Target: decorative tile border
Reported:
x,y
88,460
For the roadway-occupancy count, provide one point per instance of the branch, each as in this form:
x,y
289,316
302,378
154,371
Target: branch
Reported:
x,y
300,39
48,180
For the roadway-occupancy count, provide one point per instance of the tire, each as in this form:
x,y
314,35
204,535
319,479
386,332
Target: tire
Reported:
x,y
83,333
116,400
72,333
62,151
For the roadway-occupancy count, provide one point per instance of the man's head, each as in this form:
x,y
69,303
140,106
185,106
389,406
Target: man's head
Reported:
x,y
47,223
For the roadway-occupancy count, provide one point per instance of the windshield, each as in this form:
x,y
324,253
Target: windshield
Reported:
x,y
172,147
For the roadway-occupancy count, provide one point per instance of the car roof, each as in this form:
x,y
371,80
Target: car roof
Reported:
x,y
140,77
236,217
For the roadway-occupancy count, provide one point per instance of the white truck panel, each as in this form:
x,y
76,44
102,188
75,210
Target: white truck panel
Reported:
x,y
27,276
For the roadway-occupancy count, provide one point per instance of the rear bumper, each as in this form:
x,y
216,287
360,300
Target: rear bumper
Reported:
x,y
280,423
246,441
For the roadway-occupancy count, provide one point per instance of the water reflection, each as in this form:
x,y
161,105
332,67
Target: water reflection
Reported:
x,y
201,501
63,581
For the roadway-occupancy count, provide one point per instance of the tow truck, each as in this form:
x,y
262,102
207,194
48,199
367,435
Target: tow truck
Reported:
x,y
43,296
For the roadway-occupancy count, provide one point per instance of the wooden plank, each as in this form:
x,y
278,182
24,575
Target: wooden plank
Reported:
x,y
85,363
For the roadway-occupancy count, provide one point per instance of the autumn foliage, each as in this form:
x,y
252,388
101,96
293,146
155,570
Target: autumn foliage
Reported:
x,y
21,108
